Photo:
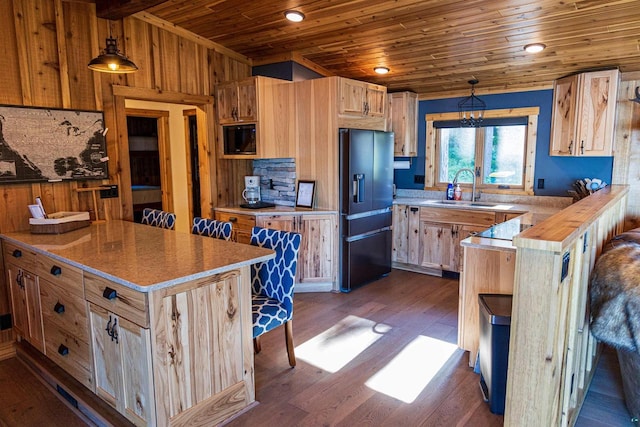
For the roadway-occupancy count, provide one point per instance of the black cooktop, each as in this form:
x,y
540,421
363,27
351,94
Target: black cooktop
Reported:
x,y
257,205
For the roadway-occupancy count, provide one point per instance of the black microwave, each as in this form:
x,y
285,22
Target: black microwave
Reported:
x,y
239,139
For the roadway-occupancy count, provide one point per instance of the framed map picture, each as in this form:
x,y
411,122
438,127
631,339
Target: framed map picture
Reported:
x,y
45,144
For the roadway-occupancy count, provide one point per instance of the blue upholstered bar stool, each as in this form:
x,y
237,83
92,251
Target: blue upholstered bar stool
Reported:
x,y
159,218
211,228
272,285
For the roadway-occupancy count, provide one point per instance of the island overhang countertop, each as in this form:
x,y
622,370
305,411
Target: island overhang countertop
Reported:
x,y
142,257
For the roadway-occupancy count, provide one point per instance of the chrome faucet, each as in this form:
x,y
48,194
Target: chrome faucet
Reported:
x,y
473,174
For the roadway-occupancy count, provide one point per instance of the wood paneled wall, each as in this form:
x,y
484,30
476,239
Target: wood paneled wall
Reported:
x,y
46,47
626,161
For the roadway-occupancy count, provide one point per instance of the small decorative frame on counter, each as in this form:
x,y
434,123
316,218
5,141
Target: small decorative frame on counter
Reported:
x,y
305,194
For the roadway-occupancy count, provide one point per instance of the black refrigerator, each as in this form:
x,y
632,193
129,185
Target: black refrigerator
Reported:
x,y
366,196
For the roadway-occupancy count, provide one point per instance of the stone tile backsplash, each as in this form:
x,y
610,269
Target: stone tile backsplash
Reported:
x,y
277,180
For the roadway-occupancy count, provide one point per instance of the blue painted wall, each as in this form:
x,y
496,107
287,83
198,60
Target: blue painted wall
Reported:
x,y
558,173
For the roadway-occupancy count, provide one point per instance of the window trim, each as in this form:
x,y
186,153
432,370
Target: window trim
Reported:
x,y
430,181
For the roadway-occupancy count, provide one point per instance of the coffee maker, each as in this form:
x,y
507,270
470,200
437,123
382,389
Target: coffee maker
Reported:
x,y
251,192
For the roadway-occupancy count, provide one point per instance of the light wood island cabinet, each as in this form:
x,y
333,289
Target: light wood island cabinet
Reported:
x,y
584,108
154,322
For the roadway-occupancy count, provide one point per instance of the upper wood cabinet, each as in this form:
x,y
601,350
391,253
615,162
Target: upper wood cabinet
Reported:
x,y
583,114
237,101
404,123
264,102
362,99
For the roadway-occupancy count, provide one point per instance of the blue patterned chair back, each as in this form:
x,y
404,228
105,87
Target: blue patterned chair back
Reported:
x,y
211,228
159,218
275,278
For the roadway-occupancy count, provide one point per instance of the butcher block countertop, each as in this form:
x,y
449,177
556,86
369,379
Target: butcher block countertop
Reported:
x,y
142,257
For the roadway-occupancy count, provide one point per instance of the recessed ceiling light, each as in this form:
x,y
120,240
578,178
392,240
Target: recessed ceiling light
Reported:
x,y
294,15
534,47
381,70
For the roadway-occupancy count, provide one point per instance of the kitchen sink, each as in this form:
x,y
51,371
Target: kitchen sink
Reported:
x,y
466,203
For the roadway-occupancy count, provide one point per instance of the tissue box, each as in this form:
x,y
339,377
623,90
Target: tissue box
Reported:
x,y
59,222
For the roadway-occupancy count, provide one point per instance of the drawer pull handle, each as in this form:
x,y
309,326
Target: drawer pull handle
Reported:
x,y
17,253
414,209
63,350
56,271
233,219
109,293
59,308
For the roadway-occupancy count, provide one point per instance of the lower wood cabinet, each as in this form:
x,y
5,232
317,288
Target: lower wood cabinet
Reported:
x,y
122,360
241,225
427,239
25,305
317,264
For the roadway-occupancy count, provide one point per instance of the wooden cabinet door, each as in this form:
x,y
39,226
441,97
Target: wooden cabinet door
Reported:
x,y
352,97
438,249
122,364
106,357
404,123
227,97
400,233
247,101
18,299
461,233
563,125
375,100
25,305
415,242
316,260
597,113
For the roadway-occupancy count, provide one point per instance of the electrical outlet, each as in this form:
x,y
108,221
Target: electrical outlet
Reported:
x,y
418,179
540,183
108,191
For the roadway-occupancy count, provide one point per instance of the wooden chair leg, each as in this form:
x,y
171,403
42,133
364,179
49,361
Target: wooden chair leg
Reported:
x,y
256,345
288,337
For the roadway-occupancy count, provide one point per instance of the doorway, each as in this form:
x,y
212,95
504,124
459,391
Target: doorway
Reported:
x,y
193,161
149,167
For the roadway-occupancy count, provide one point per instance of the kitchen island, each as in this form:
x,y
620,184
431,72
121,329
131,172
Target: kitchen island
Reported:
x,y
154,322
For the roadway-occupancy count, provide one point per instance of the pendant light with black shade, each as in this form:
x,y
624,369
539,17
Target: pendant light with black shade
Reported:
x,y
111,60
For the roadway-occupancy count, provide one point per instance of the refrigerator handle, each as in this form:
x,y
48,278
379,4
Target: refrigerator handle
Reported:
x,y
358,188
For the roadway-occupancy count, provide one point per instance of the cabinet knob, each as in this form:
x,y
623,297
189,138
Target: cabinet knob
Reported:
x,y
63,350
19,278
109,293
56,271
414,209
59,308
233,219
17,253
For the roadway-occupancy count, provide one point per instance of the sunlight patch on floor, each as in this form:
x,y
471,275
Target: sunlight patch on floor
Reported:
x,y
412,369
338,345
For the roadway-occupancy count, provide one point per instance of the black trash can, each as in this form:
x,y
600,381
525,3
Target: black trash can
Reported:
x,y
495,326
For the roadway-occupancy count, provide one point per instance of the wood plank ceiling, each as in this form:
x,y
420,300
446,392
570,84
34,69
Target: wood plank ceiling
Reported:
x,y
433,47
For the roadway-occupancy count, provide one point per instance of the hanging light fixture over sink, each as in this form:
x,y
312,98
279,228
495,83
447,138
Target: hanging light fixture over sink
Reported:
x,y
471,108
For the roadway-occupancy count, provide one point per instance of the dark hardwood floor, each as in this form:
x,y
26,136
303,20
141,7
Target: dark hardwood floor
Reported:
x,y
383,355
